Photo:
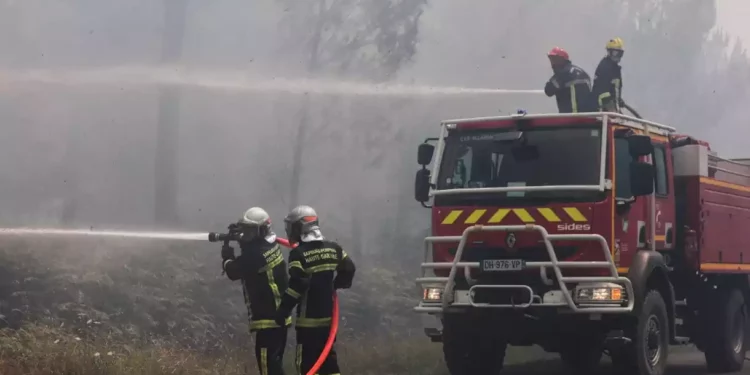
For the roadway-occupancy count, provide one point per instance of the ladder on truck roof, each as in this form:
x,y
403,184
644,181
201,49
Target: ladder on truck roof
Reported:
x,y
615,118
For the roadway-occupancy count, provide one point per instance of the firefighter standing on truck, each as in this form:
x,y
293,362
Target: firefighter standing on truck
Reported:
x,y
262,269
317,268
608,78
570,85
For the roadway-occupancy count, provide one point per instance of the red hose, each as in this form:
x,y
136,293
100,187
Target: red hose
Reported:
x,y
334,321
284,242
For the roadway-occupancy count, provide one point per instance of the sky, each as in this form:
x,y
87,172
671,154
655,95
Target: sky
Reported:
x,y
733,16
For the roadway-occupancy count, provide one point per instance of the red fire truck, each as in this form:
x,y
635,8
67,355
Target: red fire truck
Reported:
x,y
585,234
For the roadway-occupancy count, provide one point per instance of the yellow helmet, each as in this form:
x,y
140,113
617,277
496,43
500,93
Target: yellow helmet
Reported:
x,y
616,44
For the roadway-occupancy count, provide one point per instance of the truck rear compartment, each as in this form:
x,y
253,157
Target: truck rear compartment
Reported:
x,y
717,208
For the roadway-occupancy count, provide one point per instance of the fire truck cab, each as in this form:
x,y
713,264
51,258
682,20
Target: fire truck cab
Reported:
x,y
585,234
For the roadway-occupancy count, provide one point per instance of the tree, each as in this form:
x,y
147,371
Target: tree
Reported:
x,y
165,178
346,38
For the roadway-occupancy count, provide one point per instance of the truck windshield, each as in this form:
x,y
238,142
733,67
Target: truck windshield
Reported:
x,y
552,156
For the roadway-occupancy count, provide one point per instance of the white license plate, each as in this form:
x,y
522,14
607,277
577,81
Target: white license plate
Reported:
x,y
502,265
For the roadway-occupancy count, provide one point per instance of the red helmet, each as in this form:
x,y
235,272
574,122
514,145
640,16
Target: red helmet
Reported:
x,y
559,52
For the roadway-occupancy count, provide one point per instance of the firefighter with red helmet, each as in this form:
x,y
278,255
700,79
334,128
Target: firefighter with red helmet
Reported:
x,y
608,78
570,85
262,269
317,267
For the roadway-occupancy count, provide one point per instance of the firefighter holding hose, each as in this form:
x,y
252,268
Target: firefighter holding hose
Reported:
x,y
262,269
569,84
608,78
317,267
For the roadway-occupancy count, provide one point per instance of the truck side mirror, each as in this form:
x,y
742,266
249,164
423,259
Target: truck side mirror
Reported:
x,y
422,185
641,178
425,152
640,145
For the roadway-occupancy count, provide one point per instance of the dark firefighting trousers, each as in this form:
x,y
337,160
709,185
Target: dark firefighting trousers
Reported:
x,y
310,344
269,350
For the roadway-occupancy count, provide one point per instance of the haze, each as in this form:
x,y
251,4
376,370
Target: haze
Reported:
x,y
82,155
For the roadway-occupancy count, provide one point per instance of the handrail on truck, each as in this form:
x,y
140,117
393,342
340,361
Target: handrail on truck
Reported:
x,y
554,263
619,118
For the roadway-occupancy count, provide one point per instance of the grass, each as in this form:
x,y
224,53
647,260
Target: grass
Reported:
x,y
150,307
42,350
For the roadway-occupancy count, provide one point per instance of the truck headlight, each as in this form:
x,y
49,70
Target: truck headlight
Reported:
x,y
432,294
602,293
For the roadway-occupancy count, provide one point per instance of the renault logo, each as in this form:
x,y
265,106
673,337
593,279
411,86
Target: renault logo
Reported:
x,y
510,240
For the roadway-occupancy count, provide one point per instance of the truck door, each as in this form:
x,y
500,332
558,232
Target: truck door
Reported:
x,y
630,213
664,192
632,219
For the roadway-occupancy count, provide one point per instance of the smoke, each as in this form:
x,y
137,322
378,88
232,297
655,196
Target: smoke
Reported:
x,y
80,102
80,81
86,94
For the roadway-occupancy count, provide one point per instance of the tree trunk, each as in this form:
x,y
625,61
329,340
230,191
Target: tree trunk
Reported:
x,y
70,176
167,150
299,141
299,144
357,246
69,215
165,169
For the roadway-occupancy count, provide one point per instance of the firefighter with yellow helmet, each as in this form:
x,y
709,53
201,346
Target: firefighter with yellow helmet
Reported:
x,y
608,78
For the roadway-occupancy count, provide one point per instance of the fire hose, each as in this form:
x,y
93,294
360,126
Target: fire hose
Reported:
x,y
633,111
334,321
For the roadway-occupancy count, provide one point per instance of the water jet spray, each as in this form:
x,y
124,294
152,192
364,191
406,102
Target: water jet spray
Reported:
x,y
232,80
185,236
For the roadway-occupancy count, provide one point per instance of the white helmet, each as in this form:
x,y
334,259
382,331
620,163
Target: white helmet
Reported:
x,y
256,222
302,225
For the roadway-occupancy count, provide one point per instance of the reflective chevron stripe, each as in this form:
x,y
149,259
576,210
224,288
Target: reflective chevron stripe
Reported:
x,y
482,216
452,217
475,216
523,215
499,216
575,214
549,214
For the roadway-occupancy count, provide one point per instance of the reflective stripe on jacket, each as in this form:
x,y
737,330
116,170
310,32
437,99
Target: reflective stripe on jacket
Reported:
x,y
608,84
262,269
314,268
571,87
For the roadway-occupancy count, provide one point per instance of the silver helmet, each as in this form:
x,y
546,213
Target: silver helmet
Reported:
x,y
256,223
302,225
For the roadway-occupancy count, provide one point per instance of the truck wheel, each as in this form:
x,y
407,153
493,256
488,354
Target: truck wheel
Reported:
x,y
583,357
647,354
469,351
725,349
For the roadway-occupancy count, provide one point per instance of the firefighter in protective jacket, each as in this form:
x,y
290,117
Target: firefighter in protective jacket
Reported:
x,y
317,267
608,78
262,269
570,85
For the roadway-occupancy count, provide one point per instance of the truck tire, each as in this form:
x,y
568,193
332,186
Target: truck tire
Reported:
x,y
583,357
726,345
471,351
647,354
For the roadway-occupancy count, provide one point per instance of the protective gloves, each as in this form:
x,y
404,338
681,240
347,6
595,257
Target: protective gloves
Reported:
x,y
339,283
227,252
281,317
